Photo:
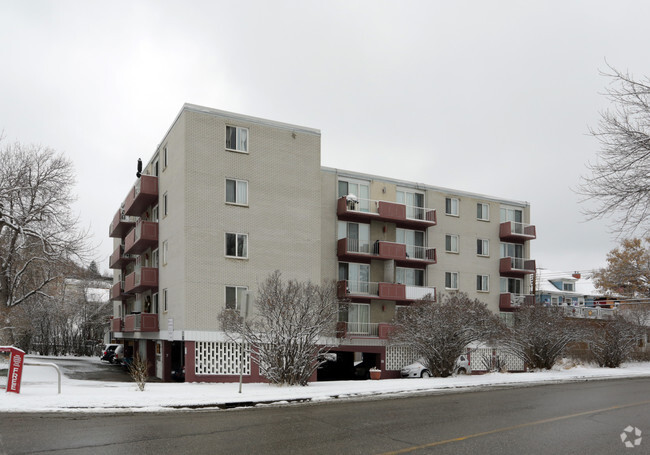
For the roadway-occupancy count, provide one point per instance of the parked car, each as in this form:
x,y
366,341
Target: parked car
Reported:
x,y
418,370
113,353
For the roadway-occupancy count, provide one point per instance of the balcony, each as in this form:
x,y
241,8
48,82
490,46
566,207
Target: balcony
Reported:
x,y
121,224
142,322
363,290
116,325
118,293
405,255
510,302
516,267
118,259
381,330
512,231
404,216
143,194
143,279
143,236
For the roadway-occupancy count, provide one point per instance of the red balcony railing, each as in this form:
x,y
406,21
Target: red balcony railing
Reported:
x,y
118,293
121,224
142,279
142,322
511,302
512,231
143,194
405,255
516,267
116,325
118,259
402,215
143,236
362,290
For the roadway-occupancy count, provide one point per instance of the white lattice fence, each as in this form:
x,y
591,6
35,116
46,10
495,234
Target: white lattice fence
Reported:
x,y
399,356
220,358
485,359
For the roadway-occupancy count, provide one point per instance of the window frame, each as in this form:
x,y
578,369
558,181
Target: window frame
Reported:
x,y
165,301
451,237
237,139
165,157
484,247
483,283
451,275
484,210
237,182
165,252
165,205
449,206
238,304
237,235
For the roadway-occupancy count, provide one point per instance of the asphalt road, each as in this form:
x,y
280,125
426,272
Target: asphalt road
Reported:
x,y
576,418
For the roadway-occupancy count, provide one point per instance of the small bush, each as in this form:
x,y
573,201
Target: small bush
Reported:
x,y
139,371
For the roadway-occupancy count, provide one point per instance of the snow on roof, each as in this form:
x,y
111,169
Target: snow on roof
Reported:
x,y
583,283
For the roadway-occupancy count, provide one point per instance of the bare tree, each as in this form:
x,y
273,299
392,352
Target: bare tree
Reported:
x,y
287,328
139,371
38,234
612,341
619,179
440,332
540,335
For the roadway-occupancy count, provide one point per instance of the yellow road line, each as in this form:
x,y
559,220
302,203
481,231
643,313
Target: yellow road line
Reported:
x,y
514,427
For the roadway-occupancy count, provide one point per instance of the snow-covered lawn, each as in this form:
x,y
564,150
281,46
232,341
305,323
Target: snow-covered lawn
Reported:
x,y
39,389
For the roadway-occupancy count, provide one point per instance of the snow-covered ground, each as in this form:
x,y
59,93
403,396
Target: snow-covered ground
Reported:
x,y
39,389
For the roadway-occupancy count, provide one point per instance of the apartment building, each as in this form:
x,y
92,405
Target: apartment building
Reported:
x,y
226,199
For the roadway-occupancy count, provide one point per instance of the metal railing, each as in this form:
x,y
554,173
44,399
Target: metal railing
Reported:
x,y
356,204
589,312
357,246
518,263
362,288
362,328
517,227
419,292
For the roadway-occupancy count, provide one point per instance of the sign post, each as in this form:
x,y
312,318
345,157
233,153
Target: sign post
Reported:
x,y
16,359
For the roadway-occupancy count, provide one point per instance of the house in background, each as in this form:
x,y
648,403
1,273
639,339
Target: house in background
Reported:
x,y
226,199
566,289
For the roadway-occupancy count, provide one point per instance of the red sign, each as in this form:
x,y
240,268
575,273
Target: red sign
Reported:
x,y
16,359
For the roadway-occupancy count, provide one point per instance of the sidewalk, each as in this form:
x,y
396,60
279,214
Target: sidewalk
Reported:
x,y
39,390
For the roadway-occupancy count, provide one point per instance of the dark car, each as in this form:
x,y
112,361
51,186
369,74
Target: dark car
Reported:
x,y
114,353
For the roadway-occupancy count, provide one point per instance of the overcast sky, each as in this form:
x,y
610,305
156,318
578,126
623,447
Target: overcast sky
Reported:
x,y
488,97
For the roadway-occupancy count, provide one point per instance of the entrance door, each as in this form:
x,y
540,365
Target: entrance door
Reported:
x,y
159,362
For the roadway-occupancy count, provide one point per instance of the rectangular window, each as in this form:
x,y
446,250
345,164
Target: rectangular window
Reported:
x,y
409,277
414,203
165,158
154,214
155,308
357,234
164,252
237,139
237,245
165,302
155,167
482,247
568,287
357,277
414,241
451,206
359,319
512,285
356,190
451,280
235,296
237,191
154,258
165,204
451,243
511,214
482,283
512,250
482,212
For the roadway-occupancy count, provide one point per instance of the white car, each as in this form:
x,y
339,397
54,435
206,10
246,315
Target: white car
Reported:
x,y
418,370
